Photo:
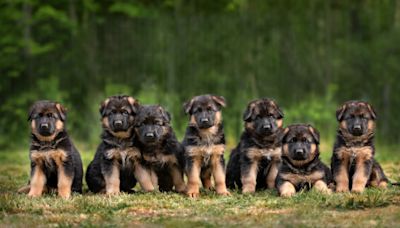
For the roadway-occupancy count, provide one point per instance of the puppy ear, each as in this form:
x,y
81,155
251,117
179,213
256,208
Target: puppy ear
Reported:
x,y
284,133
371,111
62,111
219,100
248,112
340,112
187,107
279,110
30,113
103,106
314,133
165,114
134,103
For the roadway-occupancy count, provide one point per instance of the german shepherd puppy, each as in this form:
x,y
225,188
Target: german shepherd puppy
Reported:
x,y
353,164
301,166
55,162
162,154
114,166
256,159
204,144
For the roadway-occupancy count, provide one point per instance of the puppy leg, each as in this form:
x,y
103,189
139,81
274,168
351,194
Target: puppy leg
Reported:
x,y
361,174
272,173
321,186
112,180
144,177
193,173
249,176
38,181
378,178
177,178
218,166
206,178
340,171
286,189
64,183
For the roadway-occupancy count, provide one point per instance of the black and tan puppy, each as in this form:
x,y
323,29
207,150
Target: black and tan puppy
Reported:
x,y
204,144
353,164
114,166
301,167
255,161
162,154
55,162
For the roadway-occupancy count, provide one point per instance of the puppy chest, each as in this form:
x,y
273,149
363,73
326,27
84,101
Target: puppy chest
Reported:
x,y
257,154
125,157
49,157
296,178
350,153
160,159
205,151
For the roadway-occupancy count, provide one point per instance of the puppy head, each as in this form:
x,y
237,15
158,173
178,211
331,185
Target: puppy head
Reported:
x,y
152,124
300,143
205,110
263,116
47,119
356,118
118,115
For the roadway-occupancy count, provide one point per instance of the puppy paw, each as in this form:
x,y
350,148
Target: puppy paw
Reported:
x,y
193,194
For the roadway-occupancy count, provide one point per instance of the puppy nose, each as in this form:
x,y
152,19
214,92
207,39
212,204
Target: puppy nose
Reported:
x,y
267,126
299,151
204,120
118,123
44,126
149,135
357,127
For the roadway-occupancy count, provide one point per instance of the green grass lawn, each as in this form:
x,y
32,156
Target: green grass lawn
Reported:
x,y
372,208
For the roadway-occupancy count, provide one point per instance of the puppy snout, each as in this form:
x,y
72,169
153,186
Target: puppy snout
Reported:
x,y
118,123
267,126
149,135
204,120
44,126
299,151
357,127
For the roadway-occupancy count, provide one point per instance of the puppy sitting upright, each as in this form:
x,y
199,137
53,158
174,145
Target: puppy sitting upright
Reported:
x,y
205,144
255,161
301,167
114,168
162,154
55,162
353,164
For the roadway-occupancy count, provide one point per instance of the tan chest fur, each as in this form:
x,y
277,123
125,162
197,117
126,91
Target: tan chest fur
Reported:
x,y
46,157
125,156
257,154
301,178
364,152
205,151
160,158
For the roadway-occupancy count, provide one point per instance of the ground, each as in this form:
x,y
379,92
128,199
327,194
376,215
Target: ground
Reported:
x,y
307,209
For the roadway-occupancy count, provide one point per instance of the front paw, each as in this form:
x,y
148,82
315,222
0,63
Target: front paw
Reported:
x,y
342,189
193,194
224,193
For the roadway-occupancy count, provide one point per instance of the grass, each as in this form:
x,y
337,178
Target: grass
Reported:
x,y
307,209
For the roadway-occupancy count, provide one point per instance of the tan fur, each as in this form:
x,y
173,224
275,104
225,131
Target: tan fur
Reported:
x,y
287,189
321,186
279,123
219,175
273,172
38,181
363,153
177,178
342,177
41,137
300,162
297,178
371,125
119,134
249,126
256,154
359,178
160,158
201,151
194,178
64,181
249,181
112,180
144,178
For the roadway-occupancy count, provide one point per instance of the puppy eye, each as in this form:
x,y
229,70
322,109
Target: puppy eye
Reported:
x,y
40,115
114,111
293,140
50,115
125,112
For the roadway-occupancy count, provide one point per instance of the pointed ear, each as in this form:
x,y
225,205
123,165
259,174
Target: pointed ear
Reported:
x,y
165,114
134,103
62,111
103,106
30,113
279,110
187,106
284,133
220,100
371,111
248,112
314,133
340,112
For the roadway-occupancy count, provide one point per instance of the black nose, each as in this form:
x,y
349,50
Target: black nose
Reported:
x,y
204,120
267,126
357,127
299,152
44,126
118,123
149,135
